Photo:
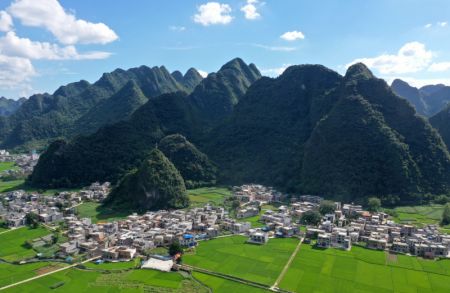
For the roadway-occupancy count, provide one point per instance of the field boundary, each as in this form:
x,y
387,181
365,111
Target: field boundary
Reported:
x,y
288,265
46,274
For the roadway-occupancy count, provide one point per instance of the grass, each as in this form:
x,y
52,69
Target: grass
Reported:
x,y
232,256
7,166
421,215
213,195
114,265
255,219
220,285
99,213
10,274
6,186
363,270
12,246
75,280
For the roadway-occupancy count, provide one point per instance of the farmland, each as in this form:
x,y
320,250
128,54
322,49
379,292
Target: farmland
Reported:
x,y
76,280
232,256
13,273
362,270
98,213
213,195
219,285
13,247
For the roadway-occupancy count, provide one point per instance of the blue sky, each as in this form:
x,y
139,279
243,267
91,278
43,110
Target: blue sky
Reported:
x,y
47,43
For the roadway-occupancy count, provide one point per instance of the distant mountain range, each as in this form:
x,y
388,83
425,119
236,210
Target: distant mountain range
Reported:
x,y
10,106
427,100
310,130
82,108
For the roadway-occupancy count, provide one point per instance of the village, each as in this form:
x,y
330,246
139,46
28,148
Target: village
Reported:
x,y
136,235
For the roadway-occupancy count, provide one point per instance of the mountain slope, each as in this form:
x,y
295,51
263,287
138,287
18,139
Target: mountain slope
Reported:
x,y
311,130
10,106
195,167
441,121
428,100
217,94
156,184
62,114
114,150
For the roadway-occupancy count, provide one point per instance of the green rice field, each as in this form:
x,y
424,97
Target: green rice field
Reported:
x,y
213,195
98,213
232,256
13,273
12,246
220,285
362,270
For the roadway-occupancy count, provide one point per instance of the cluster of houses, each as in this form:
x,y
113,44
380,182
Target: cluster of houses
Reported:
x,y
24,164
124,239
15,205
350,224
256,192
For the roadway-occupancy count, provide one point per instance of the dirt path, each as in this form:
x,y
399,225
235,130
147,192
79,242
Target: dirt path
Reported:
x,y
286,267
46,274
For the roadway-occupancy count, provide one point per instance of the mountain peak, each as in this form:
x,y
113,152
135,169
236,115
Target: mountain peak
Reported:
x,y
358,71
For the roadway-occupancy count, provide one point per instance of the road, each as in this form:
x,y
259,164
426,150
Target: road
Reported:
x,y
286,267
46,274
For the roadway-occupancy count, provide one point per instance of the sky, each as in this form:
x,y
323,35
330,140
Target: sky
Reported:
x,y
48,43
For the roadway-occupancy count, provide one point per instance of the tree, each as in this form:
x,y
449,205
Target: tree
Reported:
x,y
310,218
32,220
327,207
446,215
373,204
175,248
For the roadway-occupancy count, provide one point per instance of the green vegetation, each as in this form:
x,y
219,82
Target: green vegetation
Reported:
x,y
363,270
76,280
114,265
446,215
310,218
9,106
220,285
32,220
115,150
195,167
419,215
6,186
13,273
81,107
157,184
6,166
13,243
233,256
373,204
327,207
100,213
204,195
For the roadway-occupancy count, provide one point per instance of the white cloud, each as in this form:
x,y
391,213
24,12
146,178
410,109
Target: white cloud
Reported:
x,y
69,30
276,48
202,73
412,57
6,22
213,13
439,67
250,10
292,36
428,25
274,72
14,46
442,24
15,72
177,28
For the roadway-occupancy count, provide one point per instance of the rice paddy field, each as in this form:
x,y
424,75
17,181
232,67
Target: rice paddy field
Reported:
x,y
13,273
77,280
213,195
220,285
12,246
362,270
98,213
232,256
